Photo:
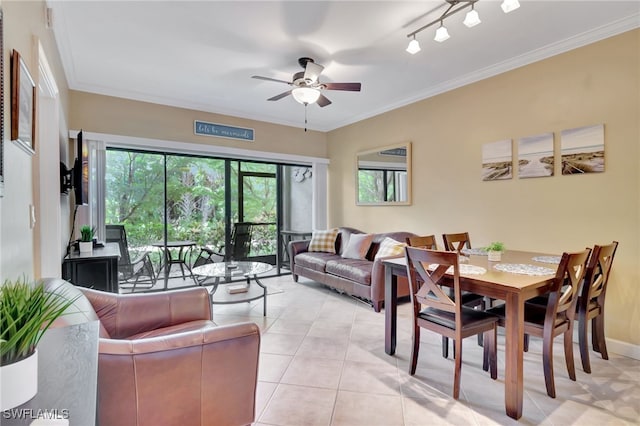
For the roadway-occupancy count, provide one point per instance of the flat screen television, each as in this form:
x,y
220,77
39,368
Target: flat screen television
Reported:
x,y
81,172
78,177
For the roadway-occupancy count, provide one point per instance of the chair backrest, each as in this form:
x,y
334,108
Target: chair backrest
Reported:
x,y
240,241
597,275
117,234
563,293
456,242
426,270
426,241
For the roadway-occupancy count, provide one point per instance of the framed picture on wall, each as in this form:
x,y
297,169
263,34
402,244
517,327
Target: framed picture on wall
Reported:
x,y
23,104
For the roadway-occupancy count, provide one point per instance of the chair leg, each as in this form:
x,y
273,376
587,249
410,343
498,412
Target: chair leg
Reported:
x,y
490,353
445,347
526,343
568,353
457,346
583,324
415,348
547,363
599,326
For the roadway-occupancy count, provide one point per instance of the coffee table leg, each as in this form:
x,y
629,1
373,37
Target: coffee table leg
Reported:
x,y
264,296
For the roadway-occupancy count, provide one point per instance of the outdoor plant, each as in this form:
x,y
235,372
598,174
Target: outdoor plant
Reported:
x,y
496,246
87,233
26,312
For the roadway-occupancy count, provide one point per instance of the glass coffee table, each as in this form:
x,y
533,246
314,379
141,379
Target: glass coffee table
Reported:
x,y
227,273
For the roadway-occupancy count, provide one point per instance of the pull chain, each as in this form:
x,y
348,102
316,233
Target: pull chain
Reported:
x,y
305,116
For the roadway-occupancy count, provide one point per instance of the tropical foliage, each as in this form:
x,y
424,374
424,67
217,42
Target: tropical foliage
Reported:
x,y
195,198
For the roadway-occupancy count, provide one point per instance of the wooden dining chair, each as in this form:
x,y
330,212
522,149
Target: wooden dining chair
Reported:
x,y
457,242
425,241
435,310
557,316
591,302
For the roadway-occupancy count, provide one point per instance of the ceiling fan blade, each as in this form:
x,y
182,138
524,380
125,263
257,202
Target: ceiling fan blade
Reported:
x,y
280,96
312,71
270,79
323,101
352,87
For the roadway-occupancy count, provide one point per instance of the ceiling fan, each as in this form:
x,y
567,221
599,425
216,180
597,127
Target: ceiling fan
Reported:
x,y
306,85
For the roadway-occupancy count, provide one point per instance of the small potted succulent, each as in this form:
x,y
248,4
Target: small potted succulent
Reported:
x,y
86,239
26,312
494,251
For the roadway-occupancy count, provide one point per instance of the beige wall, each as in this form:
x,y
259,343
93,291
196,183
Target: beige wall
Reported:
x,y
117,116
24,26
591,85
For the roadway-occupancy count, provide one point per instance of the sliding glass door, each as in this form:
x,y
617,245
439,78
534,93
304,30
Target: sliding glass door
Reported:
x,y
167,200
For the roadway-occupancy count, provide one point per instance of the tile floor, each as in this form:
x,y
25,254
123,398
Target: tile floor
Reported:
x,y
322,362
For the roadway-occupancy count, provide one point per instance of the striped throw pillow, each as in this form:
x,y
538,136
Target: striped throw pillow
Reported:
x,y
324,241
390,247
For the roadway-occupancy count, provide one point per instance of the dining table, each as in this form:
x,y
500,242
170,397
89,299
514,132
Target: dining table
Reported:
x,y
517,277
168,259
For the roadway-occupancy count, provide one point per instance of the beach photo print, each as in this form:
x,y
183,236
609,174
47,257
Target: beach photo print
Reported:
x,y
497,160
582,150
535,156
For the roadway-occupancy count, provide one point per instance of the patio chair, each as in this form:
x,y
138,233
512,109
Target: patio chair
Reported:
x,y
135,270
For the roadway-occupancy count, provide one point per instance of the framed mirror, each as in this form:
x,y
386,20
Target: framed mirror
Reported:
x,y
383,176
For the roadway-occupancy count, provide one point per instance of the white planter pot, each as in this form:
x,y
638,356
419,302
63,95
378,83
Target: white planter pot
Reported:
x,y
19,382
86,246
494,256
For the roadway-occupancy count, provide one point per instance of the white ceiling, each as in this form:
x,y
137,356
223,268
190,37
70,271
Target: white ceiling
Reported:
x,y
202,54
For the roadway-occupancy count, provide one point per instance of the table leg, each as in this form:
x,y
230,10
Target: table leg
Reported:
x,y
514,349
264,296
390,310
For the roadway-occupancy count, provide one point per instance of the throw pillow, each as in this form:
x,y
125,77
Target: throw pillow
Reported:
x,y
390,247
324,241
358,246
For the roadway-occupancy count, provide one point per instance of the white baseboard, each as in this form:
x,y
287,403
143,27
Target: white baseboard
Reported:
x,y
623,348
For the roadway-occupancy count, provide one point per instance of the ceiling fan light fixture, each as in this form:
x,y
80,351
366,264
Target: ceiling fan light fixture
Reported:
x,y
510,5
472,19
441,34
414,46
305,95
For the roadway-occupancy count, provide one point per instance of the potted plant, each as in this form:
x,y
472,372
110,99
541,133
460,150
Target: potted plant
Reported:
x,y
494,251
26,312
86,239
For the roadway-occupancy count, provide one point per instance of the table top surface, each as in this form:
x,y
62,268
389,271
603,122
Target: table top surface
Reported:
x,y
505,279
185,243
108,250
231,269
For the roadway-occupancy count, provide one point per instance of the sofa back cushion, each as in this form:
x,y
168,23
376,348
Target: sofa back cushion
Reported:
x,y
399,237
358,246
324,240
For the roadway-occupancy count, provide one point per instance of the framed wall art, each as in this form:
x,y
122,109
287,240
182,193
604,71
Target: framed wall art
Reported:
x,y
582,150
23,104
535,156
497,160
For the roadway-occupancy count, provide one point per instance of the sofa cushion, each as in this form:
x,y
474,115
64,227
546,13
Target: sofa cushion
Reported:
x,y
324,241
315,261
351,269
174,329
390,247
358,246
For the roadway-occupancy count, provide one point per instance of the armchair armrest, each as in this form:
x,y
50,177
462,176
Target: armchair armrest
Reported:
x,y
126,315
194,378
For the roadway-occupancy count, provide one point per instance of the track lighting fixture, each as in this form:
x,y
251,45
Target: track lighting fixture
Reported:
x,y
454,6
441,34
414,46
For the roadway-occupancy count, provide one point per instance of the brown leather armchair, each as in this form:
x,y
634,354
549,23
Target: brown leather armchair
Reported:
x,y
163,361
